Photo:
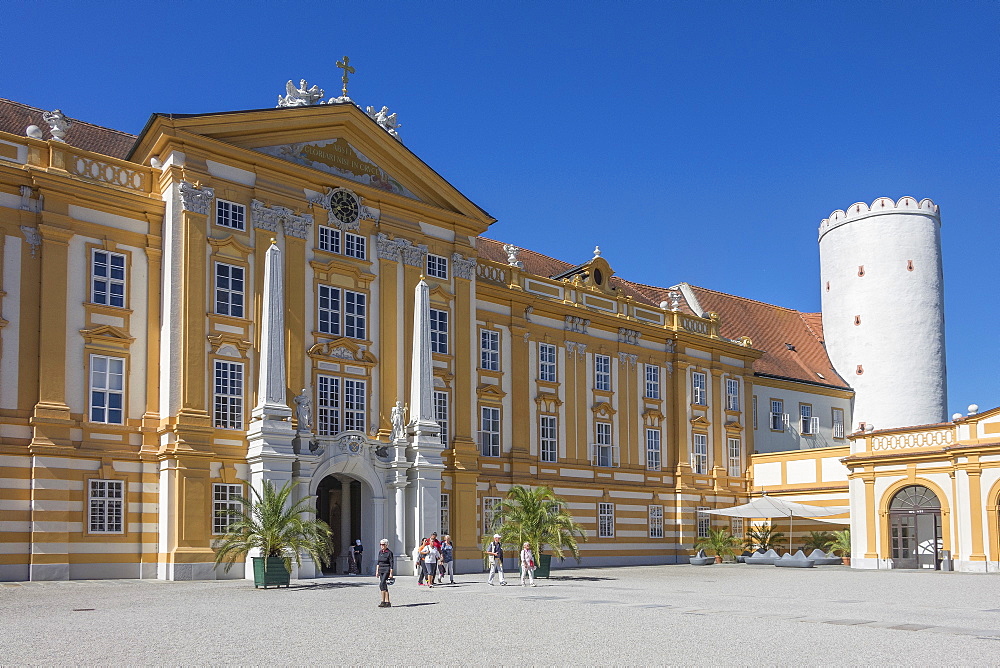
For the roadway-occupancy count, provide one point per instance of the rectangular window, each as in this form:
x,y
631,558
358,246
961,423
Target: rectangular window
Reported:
x,y
777,417
355,314
491,508
489,431
547,362
354,405
838,423
805,419
489,349
329,239
340,405
653,449
652,381
224,500
732,394
328,310
445,515
107,501
107,272
700,455
439,331
602,373
704,522
736,528
229,290
327,405
230,214
603,449
437,267
228,412
735,457
547,430
107,389
606,520
441,415
755,412
699,394
656,521
355,246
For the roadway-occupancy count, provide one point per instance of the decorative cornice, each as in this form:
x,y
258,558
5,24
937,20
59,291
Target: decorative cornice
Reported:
x,y
463,267
195,198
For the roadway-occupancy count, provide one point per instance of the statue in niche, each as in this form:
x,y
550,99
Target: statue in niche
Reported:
x,y
303,411
398,419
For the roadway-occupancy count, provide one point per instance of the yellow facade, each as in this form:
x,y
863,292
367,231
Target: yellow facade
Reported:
x,y
65,211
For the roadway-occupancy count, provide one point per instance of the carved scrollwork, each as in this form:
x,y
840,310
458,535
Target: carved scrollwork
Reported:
x,y
463,267
268,217
196,199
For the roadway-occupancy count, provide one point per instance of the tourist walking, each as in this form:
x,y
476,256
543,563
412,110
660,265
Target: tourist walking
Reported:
x,y
431,557
448,560
495,552
418,560
527,564
383,568
358,552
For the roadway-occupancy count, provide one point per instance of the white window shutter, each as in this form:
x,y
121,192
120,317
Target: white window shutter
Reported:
x,y
784,419
814,425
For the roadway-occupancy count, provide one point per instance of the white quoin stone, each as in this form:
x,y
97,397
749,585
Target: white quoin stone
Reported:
x,y
271,402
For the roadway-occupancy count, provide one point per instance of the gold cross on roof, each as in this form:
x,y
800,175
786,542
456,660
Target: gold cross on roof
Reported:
x,y
345,65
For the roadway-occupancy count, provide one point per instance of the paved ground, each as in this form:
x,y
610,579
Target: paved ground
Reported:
x,y
728,615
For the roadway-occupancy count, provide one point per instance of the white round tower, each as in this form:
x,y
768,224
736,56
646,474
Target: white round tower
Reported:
x,y
883,309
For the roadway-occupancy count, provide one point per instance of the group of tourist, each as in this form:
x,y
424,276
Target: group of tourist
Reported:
x,y
434,559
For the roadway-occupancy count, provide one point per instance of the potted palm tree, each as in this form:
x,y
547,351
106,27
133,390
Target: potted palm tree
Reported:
x,y
719,541
537,516
818,540
841,545
281,530
763,537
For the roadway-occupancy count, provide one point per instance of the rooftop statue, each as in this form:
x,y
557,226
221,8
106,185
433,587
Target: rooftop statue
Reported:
x,y
58,124
301,96
385,120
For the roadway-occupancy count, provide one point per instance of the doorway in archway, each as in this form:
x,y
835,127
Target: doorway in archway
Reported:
x,y
915,528
338,503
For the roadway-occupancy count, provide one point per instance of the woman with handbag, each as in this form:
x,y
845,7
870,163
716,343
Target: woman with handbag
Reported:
x,y
527,564
384,569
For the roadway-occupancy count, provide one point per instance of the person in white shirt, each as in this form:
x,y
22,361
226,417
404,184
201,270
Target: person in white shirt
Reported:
x,y
431,556
495,551
527,564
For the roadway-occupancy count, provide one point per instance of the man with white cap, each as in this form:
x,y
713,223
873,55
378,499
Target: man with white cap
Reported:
x,y
495,551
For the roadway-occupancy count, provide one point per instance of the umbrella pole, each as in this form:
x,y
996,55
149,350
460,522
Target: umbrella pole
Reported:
x,y
791,530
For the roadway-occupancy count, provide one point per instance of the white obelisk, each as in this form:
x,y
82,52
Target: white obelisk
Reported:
x,y
423,431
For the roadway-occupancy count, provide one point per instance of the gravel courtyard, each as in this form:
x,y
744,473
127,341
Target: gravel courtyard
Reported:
x,y
724,614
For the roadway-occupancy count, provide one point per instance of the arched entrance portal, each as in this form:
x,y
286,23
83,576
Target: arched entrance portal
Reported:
x,y
915,528
339,504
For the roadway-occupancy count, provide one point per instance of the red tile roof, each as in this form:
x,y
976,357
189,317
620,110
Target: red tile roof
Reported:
x,y
772,328
16,117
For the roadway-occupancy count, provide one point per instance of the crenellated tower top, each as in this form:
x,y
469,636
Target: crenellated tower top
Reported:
x,y
882,205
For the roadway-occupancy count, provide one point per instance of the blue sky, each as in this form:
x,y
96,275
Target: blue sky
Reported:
x,y
693,141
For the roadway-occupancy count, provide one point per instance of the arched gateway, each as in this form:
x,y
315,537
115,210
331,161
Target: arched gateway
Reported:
x,y
915,528
347,479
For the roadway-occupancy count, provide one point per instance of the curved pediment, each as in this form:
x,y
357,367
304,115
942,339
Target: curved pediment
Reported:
x,y
342,350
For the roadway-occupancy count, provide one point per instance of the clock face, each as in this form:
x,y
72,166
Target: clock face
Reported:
x,y
344,206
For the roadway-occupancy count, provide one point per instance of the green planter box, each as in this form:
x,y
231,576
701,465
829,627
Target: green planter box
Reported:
x,y
544,566
274,575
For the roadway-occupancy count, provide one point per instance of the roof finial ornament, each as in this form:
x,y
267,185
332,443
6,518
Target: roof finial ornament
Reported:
x,y
511,250
58,124
385,120
345,65
597,251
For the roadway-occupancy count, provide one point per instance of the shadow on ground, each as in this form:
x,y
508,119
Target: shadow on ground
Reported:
x,y
578,578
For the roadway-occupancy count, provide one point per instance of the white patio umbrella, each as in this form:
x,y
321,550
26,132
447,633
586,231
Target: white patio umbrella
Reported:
x,y
770,506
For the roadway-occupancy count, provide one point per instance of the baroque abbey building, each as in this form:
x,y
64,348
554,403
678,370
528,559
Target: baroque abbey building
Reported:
x,y
235,297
